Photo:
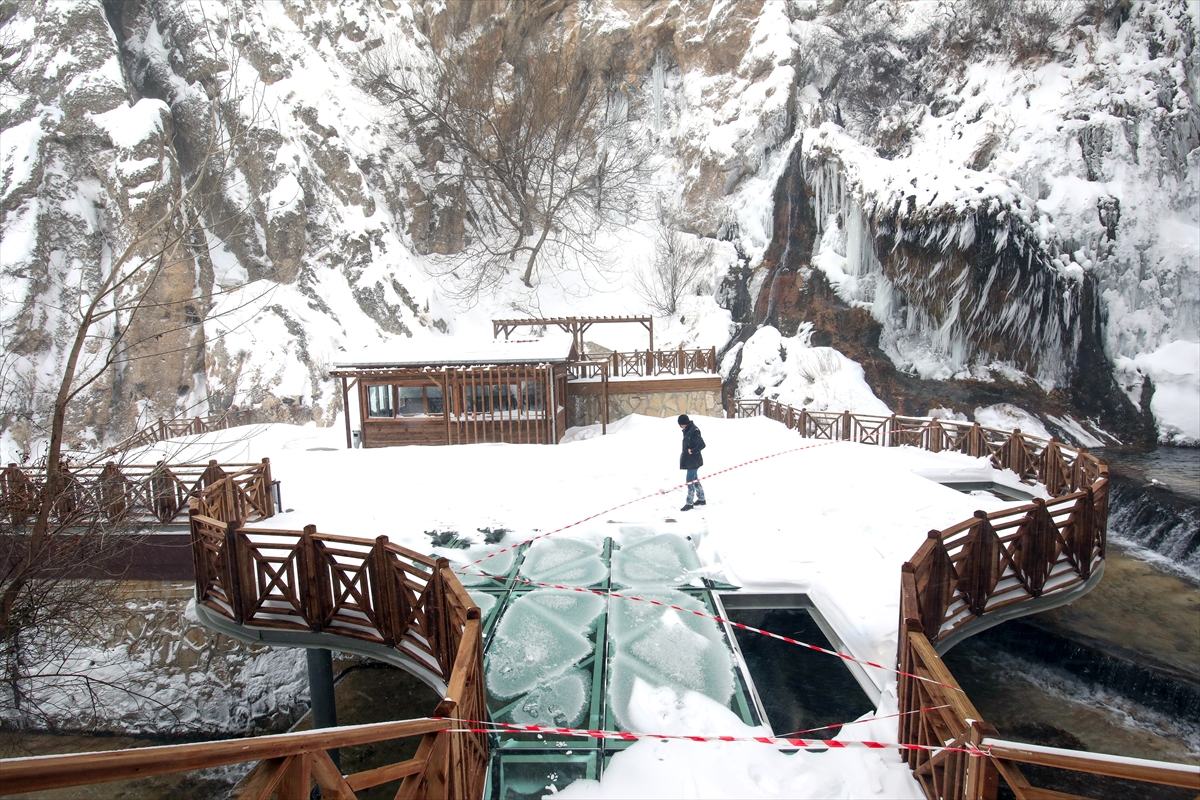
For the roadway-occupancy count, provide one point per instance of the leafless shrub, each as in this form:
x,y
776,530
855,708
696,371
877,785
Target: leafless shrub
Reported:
x,y
537,153
1025,29
679,263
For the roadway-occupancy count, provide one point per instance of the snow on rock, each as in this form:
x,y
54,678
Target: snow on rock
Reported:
x,y
1174,369
159,671
789,370
1007,417
979,194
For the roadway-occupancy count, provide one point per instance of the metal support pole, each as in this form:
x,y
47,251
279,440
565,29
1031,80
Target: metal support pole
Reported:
x,y
320,690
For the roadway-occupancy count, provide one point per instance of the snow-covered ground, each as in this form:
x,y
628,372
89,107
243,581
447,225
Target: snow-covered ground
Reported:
x,y
833,520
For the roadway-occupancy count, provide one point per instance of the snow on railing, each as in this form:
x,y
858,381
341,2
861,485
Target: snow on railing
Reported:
x,y
975,568
368,590
127,493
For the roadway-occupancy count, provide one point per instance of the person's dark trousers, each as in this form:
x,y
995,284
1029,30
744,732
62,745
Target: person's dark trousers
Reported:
x,y
695,490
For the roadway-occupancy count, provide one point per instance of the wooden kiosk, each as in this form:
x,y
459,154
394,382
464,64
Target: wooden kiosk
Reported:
x,y
501,391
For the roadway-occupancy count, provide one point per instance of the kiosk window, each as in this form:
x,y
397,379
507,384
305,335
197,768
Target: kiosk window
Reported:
x,y
379,401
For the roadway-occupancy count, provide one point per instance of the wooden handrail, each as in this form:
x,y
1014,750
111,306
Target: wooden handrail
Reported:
x,y
1136,769
363,589
955,577
39,773
128,493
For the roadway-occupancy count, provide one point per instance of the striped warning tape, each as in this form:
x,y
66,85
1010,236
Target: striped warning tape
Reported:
x,y
461,570
706,615
872,719
787,741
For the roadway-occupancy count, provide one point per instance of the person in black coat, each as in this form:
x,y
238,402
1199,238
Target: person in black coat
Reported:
x,y
691,460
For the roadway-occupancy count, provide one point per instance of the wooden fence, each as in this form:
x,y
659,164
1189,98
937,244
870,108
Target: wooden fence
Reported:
x,y
979,567
130,493
1058,467
954,722
651,363
165,429
365,589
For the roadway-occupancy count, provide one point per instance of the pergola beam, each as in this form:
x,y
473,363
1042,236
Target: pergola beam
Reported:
x,y
576,326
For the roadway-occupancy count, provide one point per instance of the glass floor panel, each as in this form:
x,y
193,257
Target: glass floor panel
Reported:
x,y
531,627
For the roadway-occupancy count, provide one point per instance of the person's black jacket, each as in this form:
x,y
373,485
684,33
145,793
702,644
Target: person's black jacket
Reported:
x,y
693,442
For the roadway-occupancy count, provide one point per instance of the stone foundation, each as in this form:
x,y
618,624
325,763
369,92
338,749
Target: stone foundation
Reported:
x,y
585,409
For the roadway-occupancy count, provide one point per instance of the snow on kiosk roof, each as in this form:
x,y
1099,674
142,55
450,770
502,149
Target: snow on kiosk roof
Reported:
x,y
444,392
551,349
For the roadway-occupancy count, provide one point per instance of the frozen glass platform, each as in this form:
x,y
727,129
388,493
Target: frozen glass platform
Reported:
x,y
570,659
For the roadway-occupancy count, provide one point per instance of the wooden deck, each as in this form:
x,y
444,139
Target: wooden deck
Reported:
x,y
374,591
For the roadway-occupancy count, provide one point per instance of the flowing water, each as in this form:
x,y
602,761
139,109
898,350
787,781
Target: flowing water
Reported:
x,y
1117,671
1154,506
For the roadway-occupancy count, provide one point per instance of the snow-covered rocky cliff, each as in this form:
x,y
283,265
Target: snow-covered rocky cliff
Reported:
x,y
978,202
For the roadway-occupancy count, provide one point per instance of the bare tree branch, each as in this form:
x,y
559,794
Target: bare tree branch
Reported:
x,y
538,156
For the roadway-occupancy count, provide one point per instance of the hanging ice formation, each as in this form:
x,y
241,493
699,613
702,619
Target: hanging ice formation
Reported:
x,y
962,286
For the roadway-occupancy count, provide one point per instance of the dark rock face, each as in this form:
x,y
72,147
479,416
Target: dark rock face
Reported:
x,y
793,292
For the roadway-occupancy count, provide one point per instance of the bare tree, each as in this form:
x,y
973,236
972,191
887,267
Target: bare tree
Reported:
x,y
51,535
679,263
539,153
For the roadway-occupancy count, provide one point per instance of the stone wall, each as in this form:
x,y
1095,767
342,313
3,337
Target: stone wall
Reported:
x,y
585,409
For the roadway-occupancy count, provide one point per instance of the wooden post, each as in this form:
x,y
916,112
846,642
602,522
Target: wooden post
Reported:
x,y
982,780
383,592
199,562
311,574
233,574
604,400
346,412
846,425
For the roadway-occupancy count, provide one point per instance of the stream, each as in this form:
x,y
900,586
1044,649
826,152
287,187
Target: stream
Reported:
x,y
1117,671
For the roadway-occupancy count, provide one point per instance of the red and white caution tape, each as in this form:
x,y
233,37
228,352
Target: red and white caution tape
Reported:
x,y
786,741
872,719
461,570
706,615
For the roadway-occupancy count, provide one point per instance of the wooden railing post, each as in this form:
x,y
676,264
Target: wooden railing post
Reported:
x,y
198,560
846,425
267,485
983,779
233,572
314,587
383,592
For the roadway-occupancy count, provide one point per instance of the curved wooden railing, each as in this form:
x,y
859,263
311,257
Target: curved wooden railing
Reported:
x,y
991,561
362,589
130,493
952,721
973,571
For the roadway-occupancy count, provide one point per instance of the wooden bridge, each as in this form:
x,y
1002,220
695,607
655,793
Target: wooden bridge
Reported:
x,y
977,573
372,593
133,494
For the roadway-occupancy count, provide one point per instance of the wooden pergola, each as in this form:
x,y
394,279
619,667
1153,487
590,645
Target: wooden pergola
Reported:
x,y
576,326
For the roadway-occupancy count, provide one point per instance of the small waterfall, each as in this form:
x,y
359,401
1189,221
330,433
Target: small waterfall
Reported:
x,y
1154,519
1174,697
1153,505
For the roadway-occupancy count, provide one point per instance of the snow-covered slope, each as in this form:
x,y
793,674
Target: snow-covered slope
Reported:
x,y
1009,197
